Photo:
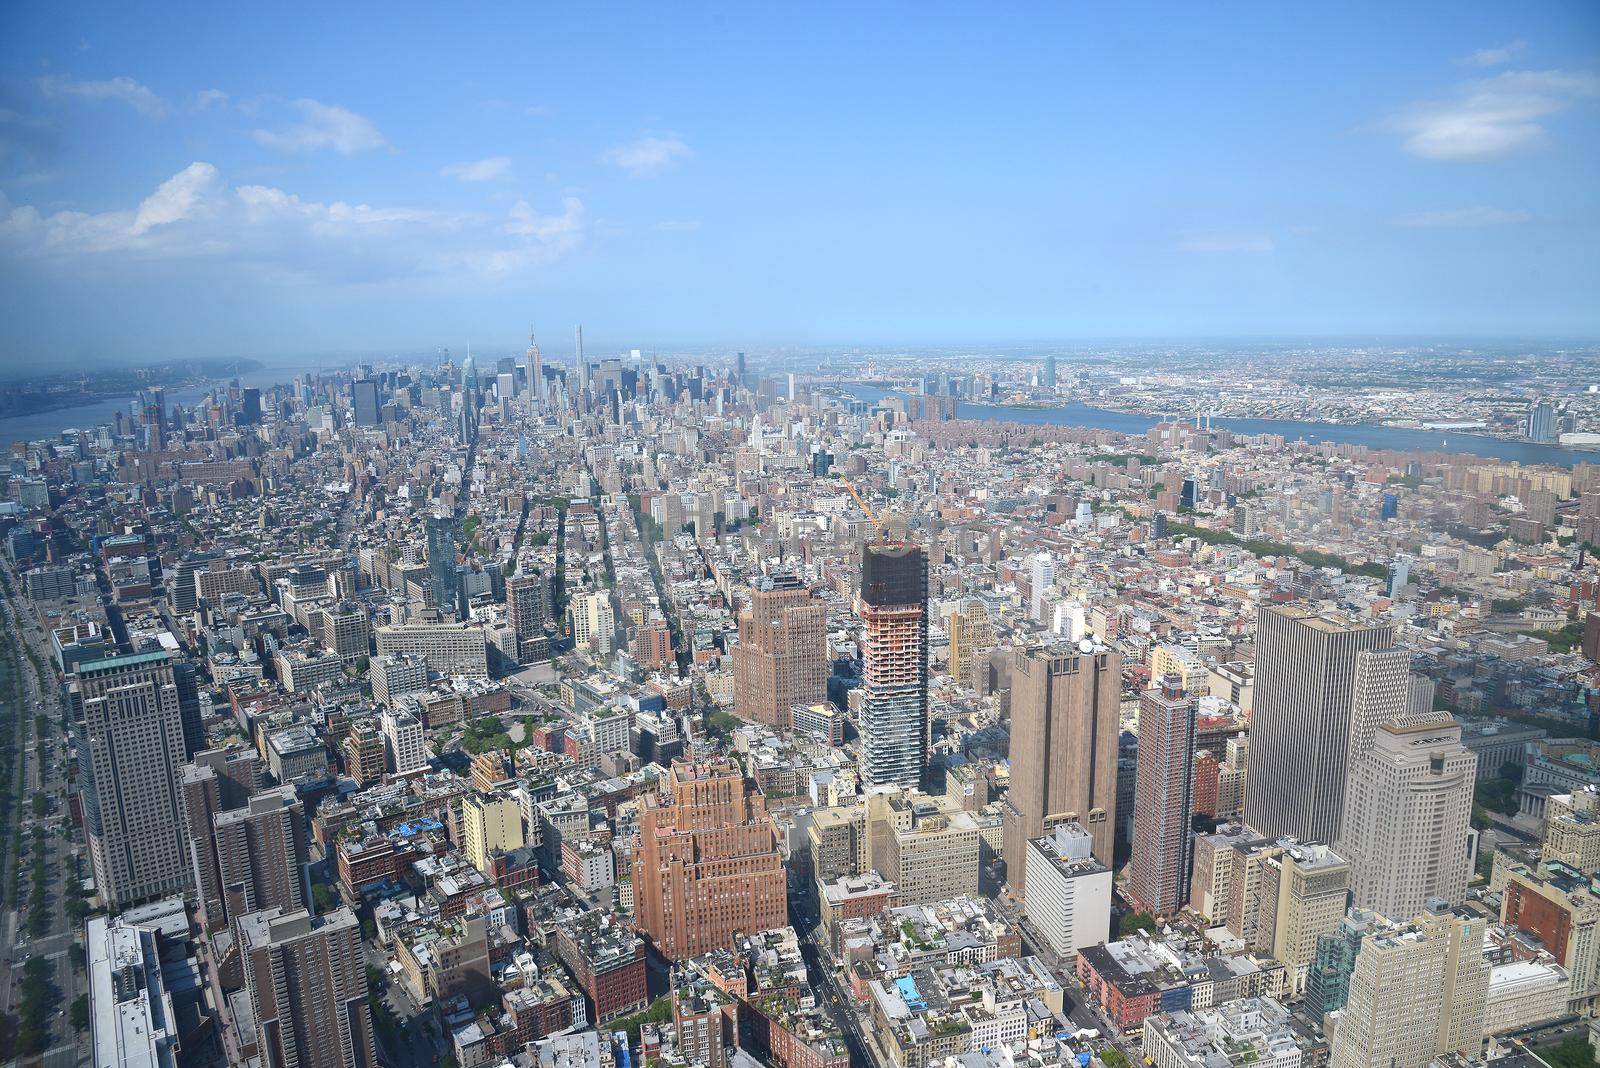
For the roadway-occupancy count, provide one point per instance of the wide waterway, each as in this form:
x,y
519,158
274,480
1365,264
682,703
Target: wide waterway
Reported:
x,y
40,425
1398,439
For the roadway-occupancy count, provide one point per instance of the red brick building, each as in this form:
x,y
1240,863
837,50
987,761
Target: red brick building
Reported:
x,y
606,961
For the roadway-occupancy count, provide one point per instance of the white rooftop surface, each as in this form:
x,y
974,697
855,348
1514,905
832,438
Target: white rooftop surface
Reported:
x,y
135,1031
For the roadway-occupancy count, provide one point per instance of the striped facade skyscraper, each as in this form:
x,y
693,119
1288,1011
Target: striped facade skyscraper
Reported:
x,y
1304,719
894,623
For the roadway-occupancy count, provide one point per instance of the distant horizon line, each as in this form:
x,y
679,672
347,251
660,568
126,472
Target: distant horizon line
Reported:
x,y
1020,348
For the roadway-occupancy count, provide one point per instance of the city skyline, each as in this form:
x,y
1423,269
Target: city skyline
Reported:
x,y
872,536
896,176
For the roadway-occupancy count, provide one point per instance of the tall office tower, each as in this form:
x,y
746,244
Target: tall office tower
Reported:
x,y
525,604
893,607
1542,421
261,854
708,866
1417,992
364,398
535,375
738,368
1380,693
1047,377
442,571
250,407
1408,816
1041,579
307,985
1158,872
1301,727
1064,729
1304,892
782,657
583,365
133,729
189,712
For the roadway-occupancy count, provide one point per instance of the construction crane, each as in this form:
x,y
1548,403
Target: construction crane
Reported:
x,y
879,526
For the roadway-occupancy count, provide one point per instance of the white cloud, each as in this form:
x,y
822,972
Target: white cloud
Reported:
x,y
648,156
537,111
206,99
544,237
1492,117
178,198
1494,57
677,226
1465,217
1208,242
123,89
324,126
479,170
274,235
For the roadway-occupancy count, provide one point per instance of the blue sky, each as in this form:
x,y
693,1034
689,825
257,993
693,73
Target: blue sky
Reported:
x,y
177,181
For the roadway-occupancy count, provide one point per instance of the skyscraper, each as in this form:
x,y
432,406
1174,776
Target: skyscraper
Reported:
x,y
1047,377
1301,727
525,604
364,398
1158,872
1542,421
261,854
217,780
1328,981
1417,991
1399,574
708,866
307,985
442,571
1380,692
1064,729
250,407
133,728
894,622
1407,817
782,656
535,375
583,365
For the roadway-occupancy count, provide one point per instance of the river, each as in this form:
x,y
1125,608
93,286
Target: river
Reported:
x,y
40,425
1397,439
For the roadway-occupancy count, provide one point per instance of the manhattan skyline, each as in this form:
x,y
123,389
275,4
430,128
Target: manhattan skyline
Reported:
x,y
719,177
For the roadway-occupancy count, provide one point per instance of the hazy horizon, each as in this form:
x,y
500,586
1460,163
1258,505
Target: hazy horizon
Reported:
x,y
176,184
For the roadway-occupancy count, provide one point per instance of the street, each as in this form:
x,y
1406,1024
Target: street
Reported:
x,y
44,766
803,915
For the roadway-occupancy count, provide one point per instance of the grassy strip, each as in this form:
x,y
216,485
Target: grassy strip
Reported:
x,y
1263,547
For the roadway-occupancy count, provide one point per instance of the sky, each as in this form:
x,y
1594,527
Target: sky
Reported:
x,y
184,180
